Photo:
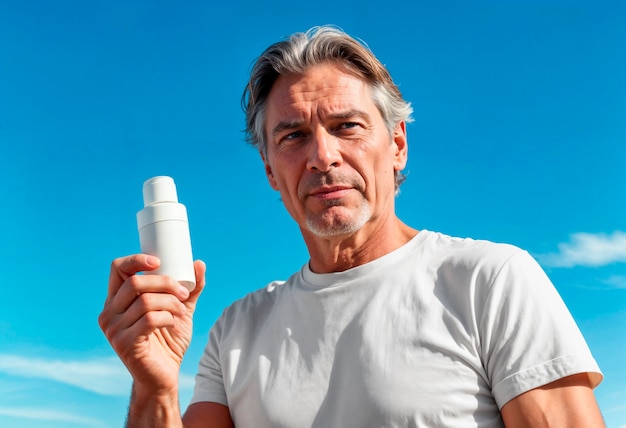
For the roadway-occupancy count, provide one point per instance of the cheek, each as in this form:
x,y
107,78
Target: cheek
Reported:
x,y
274,169
382,178
286,182
382,168
288,171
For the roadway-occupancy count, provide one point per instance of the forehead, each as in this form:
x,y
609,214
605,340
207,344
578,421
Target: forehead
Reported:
x,y
321,89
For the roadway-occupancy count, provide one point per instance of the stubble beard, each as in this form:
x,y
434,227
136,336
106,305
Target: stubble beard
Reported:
x,y
336,218
338,224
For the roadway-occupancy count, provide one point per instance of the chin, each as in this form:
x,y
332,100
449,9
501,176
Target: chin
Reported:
x,y
338,225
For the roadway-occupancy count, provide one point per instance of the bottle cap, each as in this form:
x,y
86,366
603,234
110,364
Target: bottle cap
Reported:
x,y
159,189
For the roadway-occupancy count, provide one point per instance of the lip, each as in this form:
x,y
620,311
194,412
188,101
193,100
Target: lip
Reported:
x,y
330,192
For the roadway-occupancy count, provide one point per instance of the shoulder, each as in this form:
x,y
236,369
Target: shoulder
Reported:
x,y
474,270
469,254
259,303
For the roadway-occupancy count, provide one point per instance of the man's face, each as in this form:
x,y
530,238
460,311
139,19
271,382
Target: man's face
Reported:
x,y
329,152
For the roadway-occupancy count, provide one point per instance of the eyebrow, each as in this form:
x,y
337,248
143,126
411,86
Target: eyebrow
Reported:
x,y
286,125
293,124
350,114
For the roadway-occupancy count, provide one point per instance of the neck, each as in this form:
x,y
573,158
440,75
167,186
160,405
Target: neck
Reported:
x,y
340,253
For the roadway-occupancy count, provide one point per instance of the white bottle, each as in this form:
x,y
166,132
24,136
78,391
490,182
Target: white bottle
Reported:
x,y
164,231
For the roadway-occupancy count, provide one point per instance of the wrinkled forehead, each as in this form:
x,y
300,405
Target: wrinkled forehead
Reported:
x,y
322,88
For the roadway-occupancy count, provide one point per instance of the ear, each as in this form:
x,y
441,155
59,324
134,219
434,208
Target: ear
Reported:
x,y
268,172
401,146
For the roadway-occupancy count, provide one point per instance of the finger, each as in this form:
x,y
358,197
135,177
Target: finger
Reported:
x,y
114,321
125,340
147,313
124,267
138,285
200,269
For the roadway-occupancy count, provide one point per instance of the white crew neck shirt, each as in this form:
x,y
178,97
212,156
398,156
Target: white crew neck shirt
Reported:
x,y
440,332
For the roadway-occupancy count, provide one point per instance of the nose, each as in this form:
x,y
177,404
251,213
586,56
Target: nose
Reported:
x,y
324,152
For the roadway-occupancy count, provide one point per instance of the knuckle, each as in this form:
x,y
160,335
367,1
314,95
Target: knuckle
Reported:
x,y
135,282
111,334
103,320
150,318
144,300
168,282
118,262
156,319
117,342
126,264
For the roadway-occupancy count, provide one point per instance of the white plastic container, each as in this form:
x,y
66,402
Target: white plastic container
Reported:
x,y
164,231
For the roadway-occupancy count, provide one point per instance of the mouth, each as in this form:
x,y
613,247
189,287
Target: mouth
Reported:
x,y
330,192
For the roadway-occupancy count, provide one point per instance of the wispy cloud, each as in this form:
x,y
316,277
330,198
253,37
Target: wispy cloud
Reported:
x,y
616,281
50,415
588,249
105,376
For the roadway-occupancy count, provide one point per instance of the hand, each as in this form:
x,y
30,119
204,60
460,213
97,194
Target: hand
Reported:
x,y
148,321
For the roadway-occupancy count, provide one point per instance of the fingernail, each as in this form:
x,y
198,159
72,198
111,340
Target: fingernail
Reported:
x,y
152,261
184,291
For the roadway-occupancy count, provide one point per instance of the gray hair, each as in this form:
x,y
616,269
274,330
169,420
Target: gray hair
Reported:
x,y
300,51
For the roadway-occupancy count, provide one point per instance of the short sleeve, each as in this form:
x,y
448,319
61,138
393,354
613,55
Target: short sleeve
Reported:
x,y
528,336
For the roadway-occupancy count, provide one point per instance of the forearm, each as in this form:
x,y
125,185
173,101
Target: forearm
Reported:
x,y
148,410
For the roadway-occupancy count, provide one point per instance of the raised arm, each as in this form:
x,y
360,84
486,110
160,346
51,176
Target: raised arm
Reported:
x,y
148,321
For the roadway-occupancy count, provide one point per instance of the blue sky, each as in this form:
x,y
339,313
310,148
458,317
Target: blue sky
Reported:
x,y
519,137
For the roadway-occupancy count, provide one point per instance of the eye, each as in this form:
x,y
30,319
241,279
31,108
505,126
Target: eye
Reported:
x,y
348,129
292,136
348,125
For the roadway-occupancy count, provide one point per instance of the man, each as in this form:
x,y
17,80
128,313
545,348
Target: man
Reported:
x,y
384,326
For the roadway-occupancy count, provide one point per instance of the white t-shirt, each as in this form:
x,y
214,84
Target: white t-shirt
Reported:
x,y
441,332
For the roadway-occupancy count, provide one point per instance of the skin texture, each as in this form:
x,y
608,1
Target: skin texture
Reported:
x,y
568,402
331,158
148,321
